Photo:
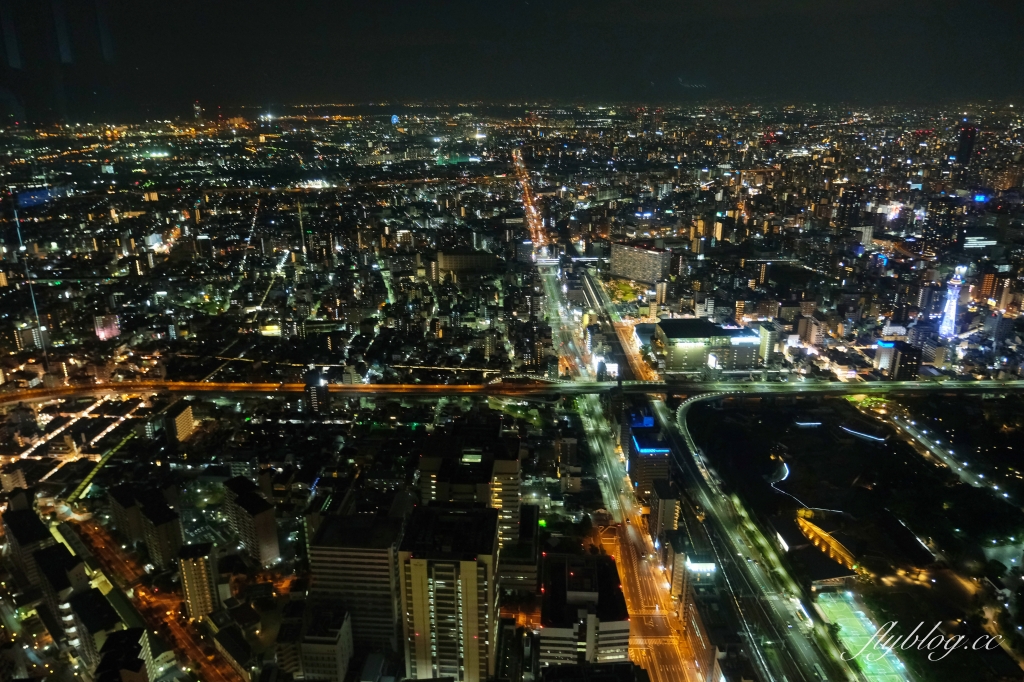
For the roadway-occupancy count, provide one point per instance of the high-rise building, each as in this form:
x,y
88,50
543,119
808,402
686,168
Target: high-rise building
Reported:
x,y
965,143
640,264
198,566
355,558
180,421
948,326
906,362
162,531
252,519
93,619
768,337
62,575
257,529
477,464
583,612
447,577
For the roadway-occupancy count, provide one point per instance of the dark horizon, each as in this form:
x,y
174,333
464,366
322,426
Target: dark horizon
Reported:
x,y
113,59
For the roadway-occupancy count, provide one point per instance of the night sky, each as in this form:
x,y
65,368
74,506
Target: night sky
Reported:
x,y
82,58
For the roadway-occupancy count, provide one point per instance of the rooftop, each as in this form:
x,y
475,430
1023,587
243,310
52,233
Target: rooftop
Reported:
x,y
451,533
358,532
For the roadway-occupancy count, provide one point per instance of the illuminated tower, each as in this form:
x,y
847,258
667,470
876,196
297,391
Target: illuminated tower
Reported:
x,y
947,329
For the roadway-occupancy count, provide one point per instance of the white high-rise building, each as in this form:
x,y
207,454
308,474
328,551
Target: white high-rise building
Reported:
x,y
446,566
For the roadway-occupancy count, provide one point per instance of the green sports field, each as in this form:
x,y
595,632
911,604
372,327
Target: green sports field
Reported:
x,y
856,630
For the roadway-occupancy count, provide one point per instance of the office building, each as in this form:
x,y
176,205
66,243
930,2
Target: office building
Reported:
x,y
25,534
649,459
583,612
688,345
649,266
965,138
664,514
355,559
198,567
884,352
161,530
906,362
447,577
524,251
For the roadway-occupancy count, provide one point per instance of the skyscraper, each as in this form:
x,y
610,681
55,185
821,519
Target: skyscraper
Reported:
x,y
199,579
947,328
965,143
446,574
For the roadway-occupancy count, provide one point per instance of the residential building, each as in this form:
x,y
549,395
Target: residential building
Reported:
x,y
162,532
198,568
355,558
649,266
447,577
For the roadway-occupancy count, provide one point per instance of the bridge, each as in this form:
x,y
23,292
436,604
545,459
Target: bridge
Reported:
x,y
526,389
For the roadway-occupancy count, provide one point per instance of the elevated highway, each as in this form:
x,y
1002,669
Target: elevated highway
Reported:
x,y
735,389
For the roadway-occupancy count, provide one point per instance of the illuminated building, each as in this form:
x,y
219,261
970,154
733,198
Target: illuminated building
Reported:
x,y
446,566
198,564
649,459
947,328
181,421
107,327
642,265
689,345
